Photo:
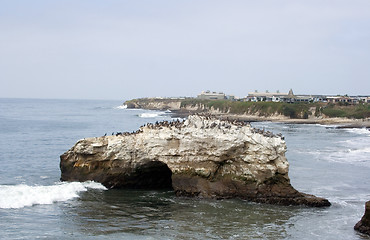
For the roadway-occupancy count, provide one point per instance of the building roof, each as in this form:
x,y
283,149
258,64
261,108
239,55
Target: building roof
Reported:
x,y
271,94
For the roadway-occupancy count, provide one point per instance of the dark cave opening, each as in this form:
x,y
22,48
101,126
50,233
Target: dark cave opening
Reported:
x,y
152,175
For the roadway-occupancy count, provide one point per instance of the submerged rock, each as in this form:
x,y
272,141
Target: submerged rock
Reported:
x,y
201,157
363,225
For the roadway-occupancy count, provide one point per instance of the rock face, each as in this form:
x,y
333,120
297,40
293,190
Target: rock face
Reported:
x,y
154,104
364,224
202,157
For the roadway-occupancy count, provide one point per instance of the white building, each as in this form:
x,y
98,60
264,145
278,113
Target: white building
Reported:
x,y
271,97
208,95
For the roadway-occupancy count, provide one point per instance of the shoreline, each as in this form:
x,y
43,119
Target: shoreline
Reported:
x,y
301,113
340,122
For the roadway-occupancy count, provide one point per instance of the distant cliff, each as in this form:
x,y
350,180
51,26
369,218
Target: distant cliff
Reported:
x,y
202,156
155,104
256,110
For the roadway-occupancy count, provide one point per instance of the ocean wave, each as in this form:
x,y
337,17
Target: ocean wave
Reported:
x,y
358,156
149,115
344,153
19,196
348,201
152,114
359,151
121,107
361,131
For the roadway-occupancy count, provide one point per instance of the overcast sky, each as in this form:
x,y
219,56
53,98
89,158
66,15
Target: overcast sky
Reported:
x,y
121,49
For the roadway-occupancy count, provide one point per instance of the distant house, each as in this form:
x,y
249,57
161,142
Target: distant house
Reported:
x,y
364,99
208,95
231,98
310,98
271,97
346,99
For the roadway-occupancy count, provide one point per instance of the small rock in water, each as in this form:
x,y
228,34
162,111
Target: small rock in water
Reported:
x,y
363,225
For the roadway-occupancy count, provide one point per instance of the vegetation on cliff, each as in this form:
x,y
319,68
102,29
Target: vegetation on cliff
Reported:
x,y
292,110
252,108
143,102
350,111
298,110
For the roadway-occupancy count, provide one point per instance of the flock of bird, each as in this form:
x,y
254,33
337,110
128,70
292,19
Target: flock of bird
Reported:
x,y
222,123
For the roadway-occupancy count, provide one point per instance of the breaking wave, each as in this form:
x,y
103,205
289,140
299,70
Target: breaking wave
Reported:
x,y
19,196
149,115
121,107
153,114
357,156
361,131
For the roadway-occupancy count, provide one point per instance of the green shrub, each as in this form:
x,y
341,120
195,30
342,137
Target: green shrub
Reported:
x,y
332,112
355,111
289,111
305,115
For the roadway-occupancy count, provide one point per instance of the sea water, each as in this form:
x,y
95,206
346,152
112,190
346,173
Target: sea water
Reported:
x,y
34,204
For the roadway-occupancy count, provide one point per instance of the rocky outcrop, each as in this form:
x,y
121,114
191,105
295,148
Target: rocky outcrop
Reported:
x,y
202,157
154,104
176,106
363,225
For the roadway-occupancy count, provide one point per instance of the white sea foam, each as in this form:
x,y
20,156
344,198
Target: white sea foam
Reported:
x,y
349,201
19,196
152,114
121,107
359,151
358,156
362,131
148,115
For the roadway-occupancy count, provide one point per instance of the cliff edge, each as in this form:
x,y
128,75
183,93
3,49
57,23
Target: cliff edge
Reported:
x,y
202,157
352,116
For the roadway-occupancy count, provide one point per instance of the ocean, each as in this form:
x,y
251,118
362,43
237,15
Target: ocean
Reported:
x,y
34,204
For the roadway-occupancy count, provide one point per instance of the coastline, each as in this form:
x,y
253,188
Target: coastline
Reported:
x,y
340,122
340,116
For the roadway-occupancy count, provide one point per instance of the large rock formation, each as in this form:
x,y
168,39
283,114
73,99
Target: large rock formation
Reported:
x,y
364,224
202,156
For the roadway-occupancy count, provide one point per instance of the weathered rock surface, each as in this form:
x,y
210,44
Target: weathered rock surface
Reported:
x,y
364,224
202,156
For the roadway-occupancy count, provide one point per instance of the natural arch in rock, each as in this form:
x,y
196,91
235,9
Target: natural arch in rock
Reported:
x,y
202,157
151,175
